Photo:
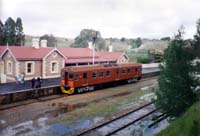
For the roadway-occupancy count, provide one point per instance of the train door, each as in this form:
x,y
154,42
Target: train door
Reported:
x,y
117,77
85,79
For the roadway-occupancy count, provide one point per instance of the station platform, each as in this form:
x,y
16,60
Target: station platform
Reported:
x,y
13,87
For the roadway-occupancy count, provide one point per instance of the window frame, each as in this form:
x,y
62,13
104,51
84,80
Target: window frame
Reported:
x,y
85,75
124,71
9,65
94,73
32,67
51,66
108,71
77,77
101,74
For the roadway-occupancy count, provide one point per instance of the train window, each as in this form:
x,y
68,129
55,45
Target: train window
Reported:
x,y
101,73
117,71
94,74
76,77
136,69
70,76
129,70
108,73
123,71
84,75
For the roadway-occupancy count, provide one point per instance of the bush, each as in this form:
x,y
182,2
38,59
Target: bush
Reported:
x,y
143,59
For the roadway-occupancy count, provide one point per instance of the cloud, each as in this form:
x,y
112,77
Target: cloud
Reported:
x,y
113,18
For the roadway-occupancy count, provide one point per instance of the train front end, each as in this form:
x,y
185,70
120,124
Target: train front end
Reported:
x,y
67,86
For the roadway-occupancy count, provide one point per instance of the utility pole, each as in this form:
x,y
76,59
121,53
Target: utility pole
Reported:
x,y
94,42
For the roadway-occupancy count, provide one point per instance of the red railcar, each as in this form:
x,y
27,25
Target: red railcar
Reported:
x,y
87,78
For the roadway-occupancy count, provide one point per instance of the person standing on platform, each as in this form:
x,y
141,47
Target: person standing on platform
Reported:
x,y
33,82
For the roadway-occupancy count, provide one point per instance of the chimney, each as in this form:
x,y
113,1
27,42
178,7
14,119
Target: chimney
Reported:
x,y
90,45
35,43
110,48
44,43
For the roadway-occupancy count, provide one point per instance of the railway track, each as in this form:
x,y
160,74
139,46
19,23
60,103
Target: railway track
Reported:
x,y
46,98
119,123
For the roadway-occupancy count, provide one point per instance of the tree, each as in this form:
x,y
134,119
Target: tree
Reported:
x,y
87,35
165,39
196,44
20,37
138,42
10,33
51,40
175,94
2,38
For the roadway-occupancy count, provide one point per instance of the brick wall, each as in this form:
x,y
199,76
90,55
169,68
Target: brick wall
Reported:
x,y
55,57
37,69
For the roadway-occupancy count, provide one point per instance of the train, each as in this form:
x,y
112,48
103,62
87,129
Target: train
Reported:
x,y
80,79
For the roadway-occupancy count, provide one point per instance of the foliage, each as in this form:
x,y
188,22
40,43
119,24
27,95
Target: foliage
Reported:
x,y
165,38
196,43
123,39
186,125
175,94
87,35
11,33
51,40
2,38
144,59
156,55
20,37
138,42
9,30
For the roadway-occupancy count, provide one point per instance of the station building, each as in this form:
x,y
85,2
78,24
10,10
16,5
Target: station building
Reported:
x,y
46,62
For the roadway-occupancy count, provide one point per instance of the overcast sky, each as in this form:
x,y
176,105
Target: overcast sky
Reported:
x,y
113,18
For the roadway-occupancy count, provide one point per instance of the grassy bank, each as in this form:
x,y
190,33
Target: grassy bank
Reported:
x,y
187,125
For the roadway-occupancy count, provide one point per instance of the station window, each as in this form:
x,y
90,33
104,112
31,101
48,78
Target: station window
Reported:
x,y
84,75
54,67
30,68
123,71
129,70
9,67
117,71
108,73
101,73
76,77
70,76
94,74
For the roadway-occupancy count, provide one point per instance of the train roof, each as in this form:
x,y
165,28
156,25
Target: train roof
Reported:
x,y
100,66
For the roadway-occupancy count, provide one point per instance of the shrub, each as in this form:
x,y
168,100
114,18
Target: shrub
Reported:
x,y
143,59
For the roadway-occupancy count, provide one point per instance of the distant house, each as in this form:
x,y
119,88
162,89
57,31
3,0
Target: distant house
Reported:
x,y
46,62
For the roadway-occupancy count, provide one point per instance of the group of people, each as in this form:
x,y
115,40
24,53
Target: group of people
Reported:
x,y
36,83
20,79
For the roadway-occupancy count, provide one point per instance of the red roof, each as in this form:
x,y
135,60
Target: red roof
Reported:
x,y
77,52
74,55
110,55
85,60
24,52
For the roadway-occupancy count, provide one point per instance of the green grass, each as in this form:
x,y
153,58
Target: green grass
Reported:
x,y
187,125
